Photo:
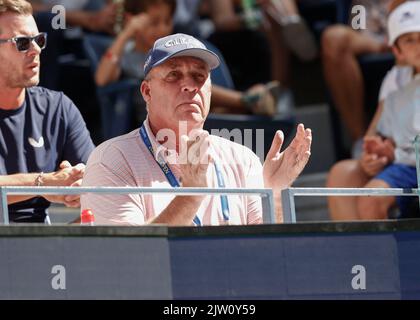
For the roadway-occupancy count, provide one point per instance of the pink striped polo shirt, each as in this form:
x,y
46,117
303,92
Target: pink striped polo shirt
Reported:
x,y
126,161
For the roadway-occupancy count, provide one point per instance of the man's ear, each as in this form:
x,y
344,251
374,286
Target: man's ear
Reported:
x,y
145,90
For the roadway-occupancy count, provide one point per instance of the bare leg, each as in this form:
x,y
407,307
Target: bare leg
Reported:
x,y
290,35
285,7
280,54
345,174
340,47
375,208
290,7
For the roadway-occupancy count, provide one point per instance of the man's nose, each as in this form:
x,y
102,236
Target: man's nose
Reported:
x,y
189,85
34,49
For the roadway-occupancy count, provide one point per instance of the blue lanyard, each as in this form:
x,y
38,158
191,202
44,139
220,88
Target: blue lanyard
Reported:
x,y
223,197
174,182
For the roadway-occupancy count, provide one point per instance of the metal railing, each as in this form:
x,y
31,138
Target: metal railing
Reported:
x,y
266,195
288,201
417,150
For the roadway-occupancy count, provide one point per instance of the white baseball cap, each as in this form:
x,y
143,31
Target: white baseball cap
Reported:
x,y
404,19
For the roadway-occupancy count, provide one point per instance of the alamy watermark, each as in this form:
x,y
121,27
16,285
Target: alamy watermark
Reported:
x,y
358,21
192,149
59,20
58,281
359,280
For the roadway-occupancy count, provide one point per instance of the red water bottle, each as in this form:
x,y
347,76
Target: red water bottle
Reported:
x,y
87,218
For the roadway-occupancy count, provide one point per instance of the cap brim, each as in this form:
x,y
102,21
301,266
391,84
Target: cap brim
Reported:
x,y
206,55
406,30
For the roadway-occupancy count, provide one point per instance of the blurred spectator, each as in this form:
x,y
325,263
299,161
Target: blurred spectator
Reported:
x,y
256,38
341,45
388,157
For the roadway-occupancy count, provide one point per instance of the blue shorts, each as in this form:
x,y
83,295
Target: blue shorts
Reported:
x,y
401,176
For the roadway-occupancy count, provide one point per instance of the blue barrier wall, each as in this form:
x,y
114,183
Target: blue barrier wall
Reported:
x,y
364,260
285,267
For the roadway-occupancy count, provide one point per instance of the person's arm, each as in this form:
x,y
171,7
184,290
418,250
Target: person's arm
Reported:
x,y
226,98
19,180
84,19
109,68
279,8
223,14
193,165
98,21
373,124
63,177
180,211
281,169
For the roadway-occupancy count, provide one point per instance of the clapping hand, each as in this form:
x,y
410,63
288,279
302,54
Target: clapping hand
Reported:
x,y
67,175
281,169
195,159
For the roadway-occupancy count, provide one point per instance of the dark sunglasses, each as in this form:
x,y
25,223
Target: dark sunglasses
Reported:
x,y
23,43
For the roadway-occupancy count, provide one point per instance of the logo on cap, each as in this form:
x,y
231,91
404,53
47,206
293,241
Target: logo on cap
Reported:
x,y
179,44
406,16
176,41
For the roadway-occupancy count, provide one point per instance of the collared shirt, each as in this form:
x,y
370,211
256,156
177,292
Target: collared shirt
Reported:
x,y
126,161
